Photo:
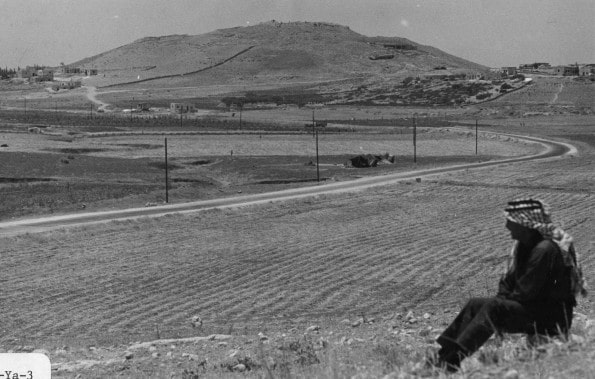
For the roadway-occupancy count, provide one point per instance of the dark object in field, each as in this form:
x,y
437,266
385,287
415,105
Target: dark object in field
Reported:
x,y
369,160
201,162
4,145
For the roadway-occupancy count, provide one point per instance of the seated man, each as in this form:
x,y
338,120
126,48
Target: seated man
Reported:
x,y
536,296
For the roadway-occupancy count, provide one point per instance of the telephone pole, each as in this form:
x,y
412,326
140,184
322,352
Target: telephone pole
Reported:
x,y
414,139
166,176
476,136
317,162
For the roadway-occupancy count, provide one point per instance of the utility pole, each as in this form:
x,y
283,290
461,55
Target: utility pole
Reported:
x,y
313,123
180,117
414,139
241,107
476,136
317,162
166,179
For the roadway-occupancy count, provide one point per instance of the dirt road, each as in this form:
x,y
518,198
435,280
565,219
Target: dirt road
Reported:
x,y
552,150
557,94
92,96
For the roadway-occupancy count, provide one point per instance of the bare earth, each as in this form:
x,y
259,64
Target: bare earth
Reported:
x,y
339,272
277,267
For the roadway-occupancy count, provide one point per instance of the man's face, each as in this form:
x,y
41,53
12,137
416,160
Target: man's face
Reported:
x,y
517,231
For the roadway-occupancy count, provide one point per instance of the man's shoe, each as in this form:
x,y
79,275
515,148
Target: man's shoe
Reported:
x,y
449,362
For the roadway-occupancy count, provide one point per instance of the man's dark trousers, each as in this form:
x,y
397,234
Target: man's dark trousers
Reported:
x,y
481,317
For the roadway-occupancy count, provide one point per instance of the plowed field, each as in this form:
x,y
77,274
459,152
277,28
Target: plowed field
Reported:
x,y
414,245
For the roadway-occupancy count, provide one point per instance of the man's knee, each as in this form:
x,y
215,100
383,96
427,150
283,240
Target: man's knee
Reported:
x,y
477,302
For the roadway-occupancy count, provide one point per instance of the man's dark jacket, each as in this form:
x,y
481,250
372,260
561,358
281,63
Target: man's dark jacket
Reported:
x,y
539,277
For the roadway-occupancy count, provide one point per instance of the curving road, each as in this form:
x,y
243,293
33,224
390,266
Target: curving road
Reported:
x,y
552,149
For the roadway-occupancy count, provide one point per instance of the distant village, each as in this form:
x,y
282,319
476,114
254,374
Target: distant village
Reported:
x,y
546,69
64,77
67,77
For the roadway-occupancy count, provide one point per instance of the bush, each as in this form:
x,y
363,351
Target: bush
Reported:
x,y
505,87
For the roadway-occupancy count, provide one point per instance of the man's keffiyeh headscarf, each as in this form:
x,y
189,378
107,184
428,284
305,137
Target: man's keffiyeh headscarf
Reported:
x,y
532,214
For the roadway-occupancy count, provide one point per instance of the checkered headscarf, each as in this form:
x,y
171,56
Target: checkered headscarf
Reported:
x,y
532,214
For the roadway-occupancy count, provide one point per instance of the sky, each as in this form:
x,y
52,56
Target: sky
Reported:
x,y
494,33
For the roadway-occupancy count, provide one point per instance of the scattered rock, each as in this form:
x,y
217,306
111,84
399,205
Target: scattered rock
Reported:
x,y
128,355
511,374
239,367
232,353
346,321
321,344
427,315
155,355
313,328
577,339
152,348
196,321
262,337
356,323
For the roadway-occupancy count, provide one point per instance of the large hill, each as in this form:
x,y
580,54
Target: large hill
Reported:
x,y
271,52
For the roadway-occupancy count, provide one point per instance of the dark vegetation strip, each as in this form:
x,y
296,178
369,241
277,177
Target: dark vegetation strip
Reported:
x,y
31,198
